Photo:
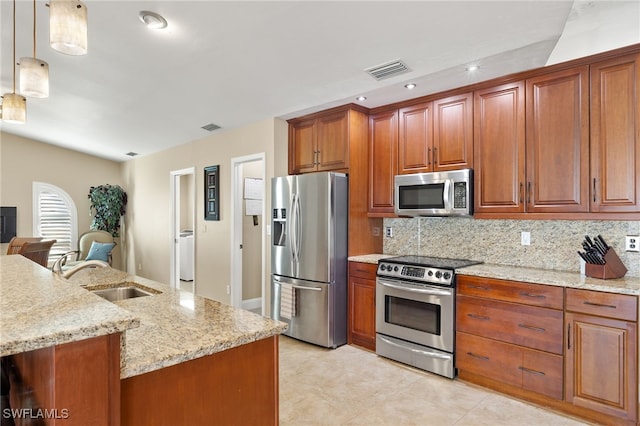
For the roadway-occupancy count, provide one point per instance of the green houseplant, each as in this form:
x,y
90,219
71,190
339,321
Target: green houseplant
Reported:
x,y
108,203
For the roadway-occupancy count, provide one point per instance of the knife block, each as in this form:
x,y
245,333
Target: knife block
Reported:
x,y
613,268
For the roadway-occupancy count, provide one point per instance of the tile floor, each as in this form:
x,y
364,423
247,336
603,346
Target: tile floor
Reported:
x,y
351,386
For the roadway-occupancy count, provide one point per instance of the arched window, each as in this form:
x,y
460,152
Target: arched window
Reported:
x,y
55,217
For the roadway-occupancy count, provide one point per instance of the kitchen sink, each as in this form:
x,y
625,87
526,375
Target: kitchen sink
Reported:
x,y
122,293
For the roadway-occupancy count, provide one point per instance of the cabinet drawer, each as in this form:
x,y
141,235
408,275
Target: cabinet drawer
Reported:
x,y
618,306
363,270
529,326
512,291
529,369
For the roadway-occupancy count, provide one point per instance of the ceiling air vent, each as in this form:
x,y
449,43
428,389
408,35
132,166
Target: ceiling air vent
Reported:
x,y
131,154
211,127
390,69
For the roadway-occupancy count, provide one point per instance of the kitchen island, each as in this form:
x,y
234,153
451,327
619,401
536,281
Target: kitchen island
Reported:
x,y
180,359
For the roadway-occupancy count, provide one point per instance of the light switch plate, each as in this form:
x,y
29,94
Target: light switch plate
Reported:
x,y
525,238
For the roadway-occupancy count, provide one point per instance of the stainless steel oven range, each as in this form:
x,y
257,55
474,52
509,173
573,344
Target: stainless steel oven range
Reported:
x,y
415,311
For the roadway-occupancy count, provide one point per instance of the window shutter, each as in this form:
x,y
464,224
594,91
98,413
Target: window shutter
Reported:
x,y
55,218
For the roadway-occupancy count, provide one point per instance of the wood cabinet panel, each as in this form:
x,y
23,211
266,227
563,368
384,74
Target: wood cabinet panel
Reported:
x,y
415,139
362,305
332,142
453,132
488,358
610,305
529,326
383,145
542,373
512,291
615,135
557,142
601,365
499,148
302,147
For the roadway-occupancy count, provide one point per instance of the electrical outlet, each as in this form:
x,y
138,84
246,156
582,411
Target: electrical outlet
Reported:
x,y
228,289
632,243
525,238
388,231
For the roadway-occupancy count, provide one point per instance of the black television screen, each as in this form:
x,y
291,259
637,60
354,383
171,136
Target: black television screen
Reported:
x,y
7,223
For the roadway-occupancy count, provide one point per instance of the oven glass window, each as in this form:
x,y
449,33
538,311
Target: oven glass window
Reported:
x,y
413,314
430,196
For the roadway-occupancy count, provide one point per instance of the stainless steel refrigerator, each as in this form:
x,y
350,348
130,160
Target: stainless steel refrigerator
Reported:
x,y
309,256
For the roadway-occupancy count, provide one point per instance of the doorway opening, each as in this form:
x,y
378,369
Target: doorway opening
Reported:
x,y
183,196
248,218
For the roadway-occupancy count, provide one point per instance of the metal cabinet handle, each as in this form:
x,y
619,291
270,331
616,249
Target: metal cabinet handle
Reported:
x,y
537,296
568,336
484,358
528,370
601,305
428,156
594,190
521,188
532,328
479,287
529,193
480,317
435,156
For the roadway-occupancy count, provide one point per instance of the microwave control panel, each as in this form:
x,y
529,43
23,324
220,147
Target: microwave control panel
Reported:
x,y
460,195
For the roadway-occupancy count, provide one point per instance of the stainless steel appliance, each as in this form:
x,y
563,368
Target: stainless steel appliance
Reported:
x,y
415,311
434,194
309,256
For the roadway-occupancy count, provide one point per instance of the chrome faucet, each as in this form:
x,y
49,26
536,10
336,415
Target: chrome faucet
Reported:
x,y
57,267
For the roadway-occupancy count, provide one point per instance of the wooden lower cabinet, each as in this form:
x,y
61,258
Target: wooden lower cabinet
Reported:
x,y
362,305
601,353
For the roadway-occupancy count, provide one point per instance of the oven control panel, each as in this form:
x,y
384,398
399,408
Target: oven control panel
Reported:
x,y
424,274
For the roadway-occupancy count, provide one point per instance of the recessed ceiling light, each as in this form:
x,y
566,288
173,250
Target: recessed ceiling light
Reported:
x,y
152,20
410,86
472,68
361,98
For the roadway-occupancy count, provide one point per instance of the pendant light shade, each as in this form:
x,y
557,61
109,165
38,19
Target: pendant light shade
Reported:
x,y
34,78
68,26
14,108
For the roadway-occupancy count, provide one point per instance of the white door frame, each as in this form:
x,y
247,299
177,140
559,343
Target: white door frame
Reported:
x,y
175,223
236,228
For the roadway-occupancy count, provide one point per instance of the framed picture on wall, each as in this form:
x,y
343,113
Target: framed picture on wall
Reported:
x,y
212,193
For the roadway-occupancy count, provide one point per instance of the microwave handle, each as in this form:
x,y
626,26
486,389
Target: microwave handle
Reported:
x,y
447,192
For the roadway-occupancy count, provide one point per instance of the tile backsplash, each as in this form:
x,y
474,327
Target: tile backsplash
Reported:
x,y
554,243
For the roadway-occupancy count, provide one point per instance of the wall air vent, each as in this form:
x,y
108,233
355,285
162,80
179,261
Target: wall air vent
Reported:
x,y
211,127
390,69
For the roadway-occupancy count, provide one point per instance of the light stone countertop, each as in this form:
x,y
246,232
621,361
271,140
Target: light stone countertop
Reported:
x,y
625,285
176,326
39,310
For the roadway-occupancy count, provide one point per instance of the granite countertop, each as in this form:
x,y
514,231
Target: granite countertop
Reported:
x,y
625,285
38,309
176,326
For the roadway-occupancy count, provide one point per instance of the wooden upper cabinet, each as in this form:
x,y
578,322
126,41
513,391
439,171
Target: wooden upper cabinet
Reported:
x,y
333,141
383,145
557,142
499,148
415,139
615,135
302,147
320,143
453,132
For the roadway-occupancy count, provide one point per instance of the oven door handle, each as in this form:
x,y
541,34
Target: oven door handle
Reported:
x,y
419,351
421,290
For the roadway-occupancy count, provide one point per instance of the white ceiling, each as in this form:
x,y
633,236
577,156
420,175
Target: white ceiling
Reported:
x,y
237,62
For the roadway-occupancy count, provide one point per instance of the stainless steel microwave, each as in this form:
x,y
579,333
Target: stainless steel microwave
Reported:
x,y
434,194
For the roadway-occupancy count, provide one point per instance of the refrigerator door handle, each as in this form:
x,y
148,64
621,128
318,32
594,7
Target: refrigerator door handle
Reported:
x,y
292,233
298,227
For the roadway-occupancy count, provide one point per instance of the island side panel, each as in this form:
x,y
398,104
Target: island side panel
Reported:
x,y
235,386
74,383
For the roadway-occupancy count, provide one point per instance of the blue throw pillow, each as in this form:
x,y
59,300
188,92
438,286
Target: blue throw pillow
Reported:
x,y
100,251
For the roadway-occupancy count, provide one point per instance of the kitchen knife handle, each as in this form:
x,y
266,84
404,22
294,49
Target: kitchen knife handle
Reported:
x,y
521,187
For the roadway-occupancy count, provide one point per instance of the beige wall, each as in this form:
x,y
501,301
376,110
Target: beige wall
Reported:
x,y
24,161
147,179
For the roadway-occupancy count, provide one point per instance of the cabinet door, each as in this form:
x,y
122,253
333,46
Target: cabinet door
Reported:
x,y
558,142
453,132
302,147
615,135
332,141
600,365
499,137
383,143
362,312
415,139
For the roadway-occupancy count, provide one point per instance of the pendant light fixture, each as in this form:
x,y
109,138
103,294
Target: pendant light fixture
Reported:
x,y
68,26
14,106
34,73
